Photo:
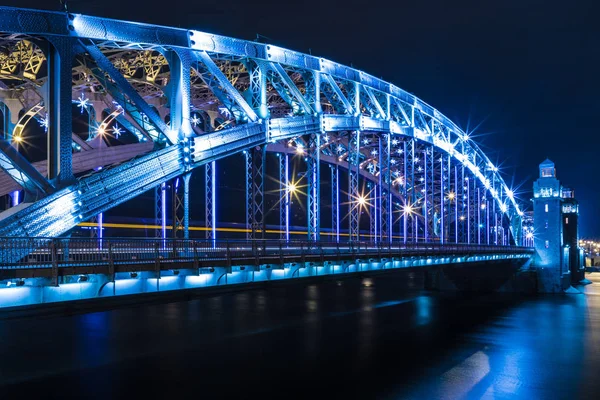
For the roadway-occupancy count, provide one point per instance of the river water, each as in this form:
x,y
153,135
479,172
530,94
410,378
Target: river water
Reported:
x,y
361,338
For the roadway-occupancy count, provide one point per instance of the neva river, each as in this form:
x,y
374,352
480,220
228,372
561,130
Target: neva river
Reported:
x,y
361,338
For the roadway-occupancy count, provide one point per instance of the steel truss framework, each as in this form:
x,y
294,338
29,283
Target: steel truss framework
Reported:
x,y
201,97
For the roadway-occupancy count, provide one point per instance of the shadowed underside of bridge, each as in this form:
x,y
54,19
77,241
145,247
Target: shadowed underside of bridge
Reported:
x,y
187,98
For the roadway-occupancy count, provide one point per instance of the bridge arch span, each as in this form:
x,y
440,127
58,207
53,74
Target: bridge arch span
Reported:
x,y
265,95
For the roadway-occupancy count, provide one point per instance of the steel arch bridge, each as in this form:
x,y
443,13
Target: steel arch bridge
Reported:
x,y
163,101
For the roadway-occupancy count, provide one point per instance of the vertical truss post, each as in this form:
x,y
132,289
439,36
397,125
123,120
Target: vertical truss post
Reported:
x,y
428,194
474,217
335,202
312,90
353,174
314,178
487,221
160,210
442,179
467,206
178,209
210,197
372,212
404,214
410,195
248,192
456,199
385,198
186,205
449,209
479,224
437,195
284,197
256,95
58,106
255,167
464,199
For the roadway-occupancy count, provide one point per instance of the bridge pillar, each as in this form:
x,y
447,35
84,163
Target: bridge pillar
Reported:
x,y
58,108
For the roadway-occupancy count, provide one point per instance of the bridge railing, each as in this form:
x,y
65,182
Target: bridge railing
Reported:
x,y
73,252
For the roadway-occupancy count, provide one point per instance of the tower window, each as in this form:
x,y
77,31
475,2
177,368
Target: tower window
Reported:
x,y
547,243
546,207
566,220
546,225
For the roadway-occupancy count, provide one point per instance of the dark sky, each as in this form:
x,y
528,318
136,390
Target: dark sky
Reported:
x,y
524,71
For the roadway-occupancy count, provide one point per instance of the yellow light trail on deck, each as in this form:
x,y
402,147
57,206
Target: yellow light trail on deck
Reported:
x,y
203,228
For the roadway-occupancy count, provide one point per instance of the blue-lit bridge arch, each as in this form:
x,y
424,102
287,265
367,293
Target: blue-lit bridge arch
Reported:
x,y
190,98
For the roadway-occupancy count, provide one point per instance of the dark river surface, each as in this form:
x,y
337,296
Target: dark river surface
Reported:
x,y
360,338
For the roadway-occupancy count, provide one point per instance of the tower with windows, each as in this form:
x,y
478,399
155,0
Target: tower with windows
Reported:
x,y
570,218
552,259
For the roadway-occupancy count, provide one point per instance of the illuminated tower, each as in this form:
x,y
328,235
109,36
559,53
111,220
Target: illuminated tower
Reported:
x,y
552,259
570,218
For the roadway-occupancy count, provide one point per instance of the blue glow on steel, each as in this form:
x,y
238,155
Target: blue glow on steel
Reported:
x,y
15,197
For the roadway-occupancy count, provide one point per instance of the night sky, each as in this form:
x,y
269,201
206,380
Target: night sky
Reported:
x,y
522,72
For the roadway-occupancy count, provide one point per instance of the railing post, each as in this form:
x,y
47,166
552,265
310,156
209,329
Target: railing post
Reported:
x,y
302,255
54,252
280,254
228,255
111,264
157,260
322,255
196,261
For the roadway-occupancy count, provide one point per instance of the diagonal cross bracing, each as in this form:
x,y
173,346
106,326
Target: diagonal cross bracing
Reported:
x,y
212,75
140,111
